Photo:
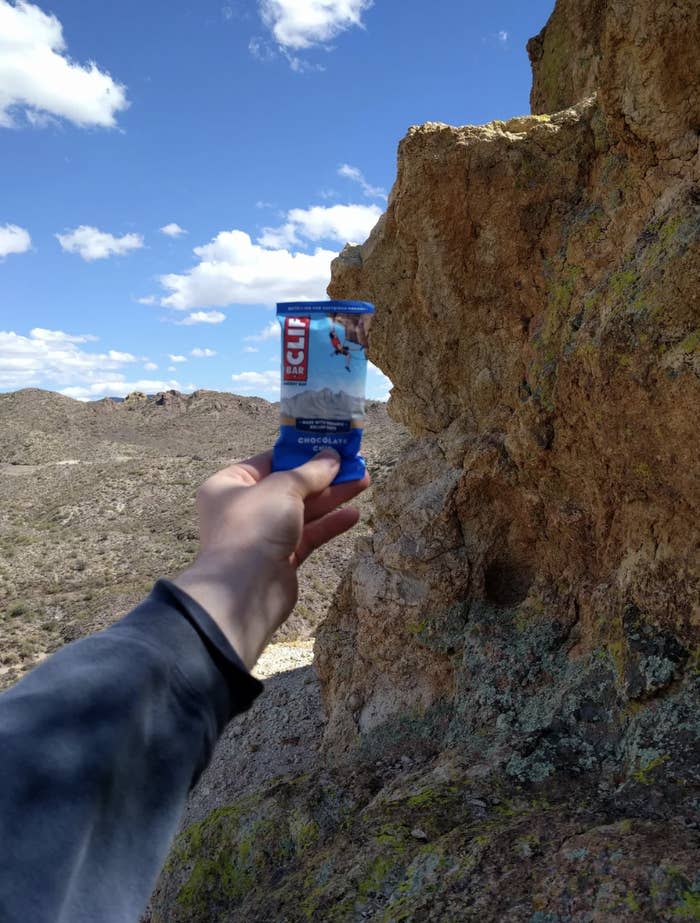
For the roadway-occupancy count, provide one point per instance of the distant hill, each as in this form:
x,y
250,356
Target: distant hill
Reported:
x,y
97,501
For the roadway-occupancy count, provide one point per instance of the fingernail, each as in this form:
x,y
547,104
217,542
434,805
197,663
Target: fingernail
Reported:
x,y
330,455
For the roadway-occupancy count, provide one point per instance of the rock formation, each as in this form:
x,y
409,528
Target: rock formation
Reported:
x,y
510,668
539,309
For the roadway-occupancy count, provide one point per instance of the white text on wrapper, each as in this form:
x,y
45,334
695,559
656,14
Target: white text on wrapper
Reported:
x,y
296,349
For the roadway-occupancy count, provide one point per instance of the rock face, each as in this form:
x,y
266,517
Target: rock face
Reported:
x,y
539,305
641,58
512,660
565,56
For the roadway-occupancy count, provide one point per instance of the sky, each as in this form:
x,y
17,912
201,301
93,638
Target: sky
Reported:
x,y
170,170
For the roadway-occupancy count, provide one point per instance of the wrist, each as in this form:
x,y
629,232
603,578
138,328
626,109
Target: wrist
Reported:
x,y
221,590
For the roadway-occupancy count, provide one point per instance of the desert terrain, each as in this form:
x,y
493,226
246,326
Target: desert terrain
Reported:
x,y
97,502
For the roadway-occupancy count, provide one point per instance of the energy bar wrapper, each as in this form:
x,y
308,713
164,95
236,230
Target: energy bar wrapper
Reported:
x,y
324,374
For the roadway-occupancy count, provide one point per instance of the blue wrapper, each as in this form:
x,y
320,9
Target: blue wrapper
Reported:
x,y
324,375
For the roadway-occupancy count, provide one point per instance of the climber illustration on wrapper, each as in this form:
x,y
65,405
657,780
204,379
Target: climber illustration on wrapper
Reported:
x,y
354,330
339,349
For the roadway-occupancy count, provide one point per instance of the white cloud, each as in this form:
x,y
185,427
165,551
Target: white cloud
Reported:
x,y
172,368
93,244
177,358
150,367
58,336
257,382
203,353
260,49
341,223
271,332
203,317
13,239
172,230
250,349
147,299
118,386
357,176
234,270
39,80
299,24
53,357
502,36
116,356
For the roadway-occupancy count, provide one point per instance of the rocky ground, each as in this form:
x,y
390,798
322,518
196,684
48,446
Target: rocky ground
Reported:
x,y
97,501
278,737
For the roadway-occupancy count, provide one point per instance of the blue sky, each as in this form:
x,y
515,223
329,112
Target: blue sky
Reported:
x,y
169,170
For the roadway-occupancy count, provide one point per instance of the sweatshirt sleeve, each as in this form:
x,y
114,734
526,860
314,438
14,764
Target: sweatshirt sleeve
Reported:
x,y
99,747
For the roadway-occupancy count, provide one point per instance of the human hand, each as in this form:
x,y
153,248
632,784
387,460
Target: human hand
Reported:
x,y
256,529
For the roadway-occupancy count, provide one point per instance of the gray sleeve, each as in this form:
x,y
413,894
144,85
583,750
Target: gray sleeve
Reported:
x,y
99,746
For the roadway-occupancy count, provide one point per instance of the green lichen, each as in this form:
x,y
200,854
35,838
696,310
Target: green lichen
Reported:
x,y
426,797
392,835
643,471
381,867
622,283
442,631
232,860
616,651
236,850
589,227
587,348
315,888
669,229
645,774
417,628
689,907
691,343
554,333
307,835
670,234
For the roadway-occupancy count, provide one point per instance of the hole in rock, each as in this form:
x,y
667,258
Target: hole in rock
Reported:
x,y
507,583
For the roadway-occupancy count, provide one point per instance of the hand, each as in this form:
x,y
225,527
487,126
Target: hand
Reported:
x,y
256,529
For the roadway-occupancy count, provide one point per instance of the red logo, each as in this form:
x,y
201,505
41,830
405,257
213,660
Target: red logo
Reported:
x,y
296,348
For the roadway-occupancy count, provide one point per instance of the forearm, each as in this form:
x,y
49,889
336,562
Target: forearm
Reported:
x,y
239,598
100,746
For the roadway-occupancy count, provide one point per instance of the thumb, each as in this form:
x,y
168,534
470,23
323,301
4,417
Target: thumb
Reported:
x,y
315,474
